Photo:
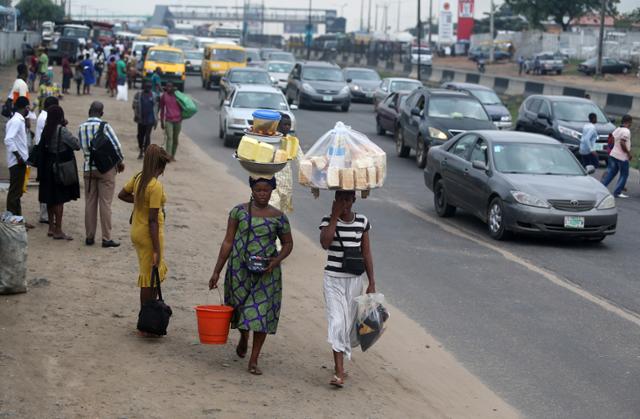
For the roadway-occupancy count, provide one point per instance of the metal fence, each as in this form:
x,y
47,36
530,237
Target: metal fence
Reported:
x,y
11,45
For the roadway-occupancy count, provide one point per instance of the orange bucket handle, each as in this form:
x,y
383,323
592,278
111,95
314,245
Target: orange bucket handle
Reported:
x,y
219,295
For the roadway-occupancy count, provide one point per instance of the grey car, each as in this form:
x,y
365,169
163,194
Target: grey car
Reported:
x,y
490,100
320,84
362,83
393,84
245,76
519,183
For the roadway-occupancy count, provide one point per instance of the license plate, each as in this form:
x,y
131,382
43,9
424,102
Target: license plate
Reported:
x,y
573,222
600,146
327,98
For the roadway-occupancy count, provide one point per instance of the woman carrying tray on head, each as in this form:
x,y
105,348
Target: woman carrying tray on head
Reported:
x,y
253,281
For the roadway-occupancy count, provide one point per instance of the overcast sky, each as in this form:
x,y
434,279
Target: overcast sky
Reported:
x,y
351,8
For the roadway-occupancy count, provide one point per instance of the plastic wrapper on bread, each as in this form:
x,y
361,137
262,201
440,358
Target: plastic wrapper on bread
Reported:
x,y
343,159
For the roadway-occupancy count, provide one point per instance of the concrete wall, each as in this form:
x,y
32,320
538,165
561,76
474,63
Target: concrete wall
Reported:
x,y
11,45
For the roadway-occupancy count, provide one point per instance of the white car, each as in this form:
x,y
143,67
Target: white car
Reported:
x,y
425,54
279,72
193,61
236,113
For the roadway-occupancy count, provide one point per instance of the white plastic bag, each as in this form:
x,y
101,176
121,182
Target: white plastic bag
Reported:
x,y
343,159
371,318
123,93
13,258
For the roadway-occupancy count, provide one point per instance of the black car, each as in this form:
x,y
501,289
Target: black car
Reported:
x,y
388,111
315,83
609,65
563,118
430,117
490,100
244,75
362,83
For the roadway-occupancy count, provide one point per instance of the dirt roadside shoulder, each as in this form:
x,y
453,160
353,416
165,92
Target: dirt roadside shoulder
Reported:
x,y
67,347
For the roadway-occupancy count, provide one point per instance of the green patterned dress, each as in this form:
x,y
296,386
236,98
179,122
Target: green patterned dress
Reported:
x,y
256,299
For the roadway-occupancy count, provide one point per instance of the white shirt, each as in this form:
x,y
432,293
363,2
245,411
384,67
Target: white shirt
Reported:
x,y
19,88
42,119
16,139
621,135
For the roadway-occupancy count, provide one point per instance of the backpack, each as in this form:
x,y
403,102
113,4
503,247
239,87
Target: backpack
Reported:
x,y
7,108
187,106
102,153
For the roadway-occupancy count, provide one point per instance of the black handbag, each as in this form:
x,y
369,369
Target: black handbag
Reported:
x,y
65,173
352,259
36,156
154,314
7,108
254,263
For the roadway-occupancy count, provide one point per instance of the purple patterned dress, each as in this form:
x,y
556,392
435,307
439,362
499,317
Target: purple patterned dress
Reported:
x,y
256,299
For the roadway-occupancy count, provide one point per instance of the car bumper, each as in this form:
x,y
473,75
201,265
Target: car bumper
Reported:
x,y
503,124
194,69
317,99
552,68
214,78
362,95
236,130
543,221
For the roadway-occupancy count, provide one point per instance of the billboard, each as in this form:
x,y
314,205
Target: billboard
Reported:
x,y
445,23
465,19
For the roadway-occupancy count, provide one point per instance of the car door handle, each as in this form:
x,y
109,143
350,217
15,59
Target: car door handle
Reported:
x,y
444,162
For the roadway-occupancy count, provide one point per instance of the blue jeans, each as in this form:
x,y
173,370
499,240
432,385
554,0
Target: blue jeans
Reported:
x,y
589,159
613,166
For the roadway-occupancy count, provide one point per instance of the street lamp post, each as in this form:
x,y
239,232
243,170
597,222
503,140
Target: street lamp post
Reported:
x,y
369,18
492,49
419,39
309,33
430,20
601,40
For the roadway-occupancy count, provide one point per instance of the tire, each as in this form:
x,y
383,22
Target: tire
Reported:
x,y
298,101
559,72
230,140
421,153
440,202
345,107
518,127
495,220
401,149
220,131
379,129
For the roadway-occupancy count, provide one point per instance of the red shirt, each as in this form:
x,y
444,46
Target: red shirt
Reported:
x,y
169,109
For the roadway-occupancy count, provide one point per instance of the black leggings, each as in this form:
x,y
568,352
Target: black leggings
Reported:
x,y
144,136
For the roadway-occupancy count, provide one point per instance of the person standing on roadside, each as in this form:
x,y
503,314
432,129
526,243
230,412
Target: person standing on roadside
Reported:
x,y
620,157
67,75
121,68
344,229
33,72
146,193
112,77
156,83
170,119
587,149
40,123
144,114
43,63
15,139
132,70
88,73
99,188
78,74
520,65
20,86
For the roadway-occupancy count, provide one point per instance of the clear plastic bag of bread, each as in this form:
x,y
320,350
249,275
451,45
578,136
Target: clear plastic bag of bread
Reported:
x,y
345,159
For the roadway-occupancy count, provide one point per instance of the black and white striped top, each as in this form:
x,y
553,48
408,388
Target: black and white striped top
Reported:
x,y
351,235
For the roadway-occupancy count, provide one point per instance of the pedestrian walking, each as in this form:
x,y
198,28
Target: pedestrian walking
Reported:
x,y
40,123
132,70
20,86
170,119
67,74
253,280
619,157
536,66
112,77
78,76
121,68
156,83
99,65
33,72
146,193
520,64
99,188
587,149
144,114
59,145
43,63
15,140
344,229
88,74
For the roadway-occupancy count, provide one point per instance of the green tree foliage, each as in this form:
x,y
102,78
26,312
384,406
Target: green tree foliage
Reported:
x,y
627,20
560,12
503,20
35,11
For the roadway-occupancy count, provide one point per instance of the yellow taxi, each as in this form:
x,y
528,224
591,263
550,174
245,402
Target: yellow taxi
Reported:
x,y
218,58
171,62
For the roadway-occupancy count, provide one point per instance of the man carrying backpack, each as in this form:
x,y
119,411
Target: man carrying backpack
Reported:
x,y
102,160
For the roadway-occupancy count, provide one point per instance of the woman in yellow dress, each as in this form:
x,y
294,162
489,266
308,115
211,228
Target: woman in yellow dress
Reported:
x,y
146,193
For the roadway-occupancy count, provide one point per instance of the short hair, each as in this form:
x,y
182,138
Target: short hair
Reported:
x,y
340,193
285,117
96,108
593,117
627,119
21,103
22,69
50,101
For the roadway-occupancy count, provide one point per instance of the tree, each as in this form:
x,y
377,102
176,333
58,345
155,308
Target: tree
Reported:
x,y
560,12
504,20
628,20
35,11
5,3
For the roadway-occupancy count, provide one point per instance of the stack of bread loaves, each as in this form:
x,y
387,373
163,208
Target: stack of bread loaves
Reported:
x,y
343,159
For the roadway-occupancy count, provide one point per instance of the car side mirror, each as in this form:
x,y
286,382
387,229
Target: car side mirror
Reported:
x,y
590,169
224,79
293,107
248,60
349,80
187,62
384,89
480,165
415,112
542,115
226,103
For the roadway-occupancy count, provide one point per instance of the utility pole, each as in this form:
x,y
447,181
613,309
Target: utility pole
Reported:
x,y
369,18
309,34
430,20
386,18
601,40
492,49
376,24
361,15
420,38
398,17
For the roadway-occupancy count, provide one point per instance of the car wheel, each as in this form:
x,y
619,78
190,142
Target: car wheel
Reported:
x,y
220,130
518,127
495,220
298,100
401,149
559,72
440,202
345,107
421,153
230,140
379,129
204,84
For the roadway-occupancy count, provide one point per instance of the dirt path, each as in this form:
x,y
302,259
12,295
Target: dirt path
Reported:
x,y
68,348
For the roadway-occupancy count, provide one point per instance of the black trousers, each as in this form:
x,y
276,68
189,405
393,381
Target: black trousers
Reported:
x,y
144,136
16,182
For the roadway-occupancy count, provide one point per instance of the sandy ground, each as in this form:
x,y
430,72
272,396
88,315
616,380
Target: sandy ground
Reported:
x,y
68,347
624,84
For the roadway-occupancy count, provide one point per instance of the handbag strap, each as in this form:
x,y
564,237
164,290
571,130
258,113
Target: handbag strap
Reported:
x,y
155,278
100,130
249,228
338,233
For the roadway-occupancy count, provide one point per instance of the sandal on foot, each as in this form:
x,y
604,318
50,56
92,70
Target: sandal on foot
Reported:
x,y
63,237
253,369
337,382
241,353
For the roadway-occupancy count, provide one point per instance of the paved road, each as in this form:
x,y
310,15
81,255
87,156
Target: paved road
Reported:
x,y
550,326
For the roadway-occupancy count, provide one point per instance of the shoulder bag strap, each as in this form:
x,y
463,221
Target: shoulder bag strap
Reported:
x,y
155,278
58,145
249,228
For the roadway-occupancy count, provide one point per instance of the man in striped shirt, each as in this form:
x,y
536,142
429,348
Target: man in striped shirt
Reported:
x,y
99,187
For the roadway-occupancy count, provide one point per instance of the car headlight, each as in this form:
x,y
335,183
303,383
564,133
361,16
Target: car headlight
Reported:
x,y
437,134
149,71
345,90
238,121
505,118
307,87
570,132
356,87
529,200
609,202
273,80
178,73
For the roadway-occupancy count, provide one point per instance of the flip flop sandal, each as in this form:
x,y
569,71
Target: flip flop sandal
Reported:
x,y
63,237
253,369
49,234
337,382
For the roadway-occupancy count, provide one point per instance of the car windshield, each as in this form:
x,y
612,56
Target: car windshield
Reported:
x,y
322,74
260,100
487,97
181,43
577,111
456,108
250,77
75,32
228,55
166,57
397,86
535,159
264,53
253,55
423,51
193,55
282,56
362,75
279,67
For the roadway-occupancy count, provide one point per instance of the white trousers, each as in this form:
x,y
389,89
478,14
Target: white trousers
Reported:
x,y
341,307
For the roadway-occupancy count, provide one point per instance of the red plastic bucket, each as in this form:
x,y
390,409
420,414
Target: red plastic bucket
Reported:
x,y
213,323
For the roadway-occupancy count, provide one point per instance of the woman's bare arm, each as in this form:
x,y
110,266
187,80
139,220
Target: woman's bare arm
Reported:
x,y
368,262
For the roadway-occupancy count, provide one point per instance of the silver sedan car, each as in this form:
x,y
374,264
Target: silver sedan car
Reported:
x,y
519,183
393,84
236,112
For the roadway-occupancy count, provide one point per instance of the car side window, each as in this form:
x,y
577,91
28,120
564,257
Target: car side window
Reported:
x,y
544,108
479,152
534,105
385,85
463,146
420,104
390,100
